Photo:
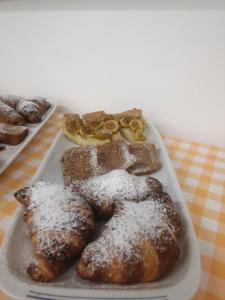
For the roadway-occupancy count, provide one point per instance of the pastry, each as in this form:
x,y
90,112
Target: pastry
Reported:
x,y
32,109
11,134
11,100
95,128
103,126
132,125
147,160
9,115
98,128
138,244
43,104
75,131
80,163
60,224
103,192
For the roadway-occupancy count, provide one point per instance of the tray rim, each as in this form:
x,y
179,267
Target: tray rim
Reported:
x,y
26,141
58,293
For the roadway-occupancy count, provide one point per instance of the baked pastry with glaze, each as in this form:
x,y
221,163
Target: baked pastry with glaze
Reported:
x,y
9,115
138,244
103,192
74,129
60,224
132,125
11,134
96,128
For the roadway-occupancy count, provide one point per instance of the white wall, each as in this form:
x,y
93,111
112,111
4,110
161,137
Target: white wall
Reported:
x,y
167,57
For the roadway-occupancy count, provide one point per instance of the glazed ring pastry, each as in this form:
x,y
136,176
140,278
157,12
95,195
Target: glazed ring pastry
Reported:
x,y
138,244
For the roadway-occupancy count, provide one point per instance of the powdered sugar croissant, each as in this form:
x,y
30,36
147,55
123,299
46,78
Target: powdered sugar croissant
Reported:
x,y
9,115
138,244
103,192
32,109
60,224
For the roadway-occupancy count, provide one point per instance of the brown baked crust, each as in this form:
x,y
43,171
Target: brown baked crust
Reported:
x,y
103,192
55,246
93,119
11,100
9,115
147,160
77,164
11,134
83,162
42,103
133,249
32,109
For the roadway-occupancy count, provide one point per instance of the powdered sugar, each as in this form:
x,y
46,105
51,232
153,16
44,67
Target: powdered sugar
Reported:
x,y
117,185
26,106
123,234
129,159
54,215
51,207
96,169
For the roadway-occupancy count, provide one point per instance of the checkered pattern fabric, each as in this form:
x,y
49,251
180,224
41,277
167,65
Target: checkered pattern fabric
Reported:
x,y
201,173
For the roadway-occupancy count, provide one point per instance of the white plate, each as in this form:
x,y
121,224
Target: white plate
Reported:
x,y
180,284
10,153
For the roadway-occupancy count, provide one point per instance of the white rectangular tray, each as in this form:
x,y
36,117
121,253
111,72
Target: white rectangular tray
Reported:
x,y
8,155
180,284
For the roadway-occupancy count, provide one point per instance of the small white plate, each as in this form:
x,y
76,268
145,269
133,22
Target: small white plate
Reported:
x,y
180,284
8,155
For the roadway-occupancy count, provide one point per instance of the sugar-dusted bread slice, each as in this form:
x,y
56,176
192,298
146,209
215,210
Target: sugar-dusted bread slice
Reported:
x,y
11,134
147,160
80,163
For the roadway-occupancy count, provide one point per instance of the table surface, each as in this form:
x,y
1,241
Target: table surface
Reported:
x,y
201,172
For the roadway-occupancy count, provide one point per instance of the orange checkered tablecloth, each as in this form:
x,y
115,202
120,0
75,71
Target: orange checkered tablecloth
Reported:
x,y
201,173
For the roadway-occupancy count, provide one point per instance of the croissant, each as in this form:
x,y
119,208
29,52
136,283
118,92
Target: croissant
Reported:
x,y
138,244
102,192
9,115
42,103
11,100
32,109
60,224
